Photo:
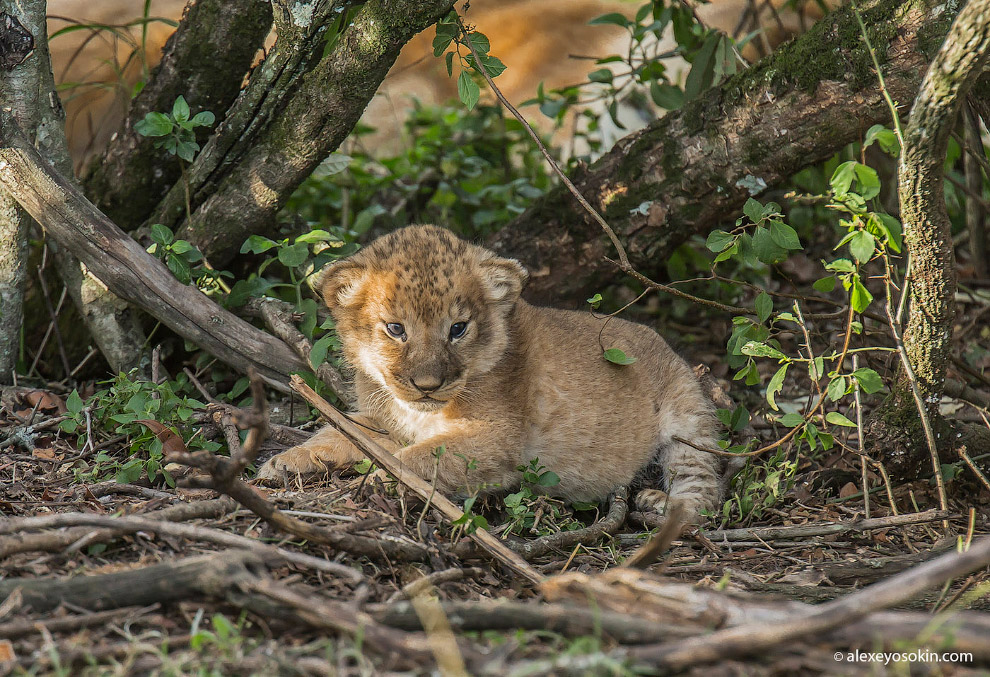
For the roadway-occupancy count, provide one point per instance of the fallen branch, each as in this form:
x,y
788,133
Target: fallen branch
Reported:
x,y
421,585
209,576
223,477
113,527
16,541
126,268
562,540
407,477
754,638
797,531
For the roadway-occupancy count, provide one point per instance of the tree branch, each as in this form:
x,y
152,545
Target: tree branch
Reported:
x,y
698,165
126,268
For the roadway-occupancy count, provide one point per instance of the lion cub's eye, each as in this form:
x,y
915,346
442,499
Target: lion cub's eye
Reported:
x,y
457,330
395,330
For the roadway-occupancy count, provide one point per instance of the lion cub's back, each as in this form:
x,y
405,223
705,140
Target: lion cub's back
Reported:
x,y
593,422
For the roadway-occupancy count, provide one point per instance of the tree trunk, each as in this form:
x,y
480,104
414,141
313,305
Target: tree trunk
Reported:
x,y
19,93
695,167
300,104
928,240
204,61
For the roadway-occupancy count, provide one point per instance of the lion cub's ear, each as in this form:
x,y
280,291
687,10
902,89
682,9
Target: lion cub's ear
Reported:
x,y
341,283
503,279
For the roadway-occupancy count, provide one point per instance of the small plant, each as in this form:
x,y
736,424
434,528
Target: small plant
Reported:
x,y
449,33
531,510
760,485
155,418
175,131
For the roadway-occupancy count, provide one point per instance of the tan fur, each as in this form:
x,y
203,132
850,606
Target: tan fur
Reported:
x,y
522,382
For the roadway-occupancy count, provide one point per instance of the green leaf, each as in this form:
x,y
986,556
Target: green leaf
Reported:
x,y
703,68
719,240
493,65
595,300
180,268
758,349
549,479
764,306
449,62
616,356
154,124
161,234
613,18
825,284
256,244
791,420
837,388
862,245
180,109
467,90
784,236
74,403
187,150
775,385
366,217
893,229
600,75
293,255
669,97
440,44
868,183
319,352
841,266
860,297
886,139
835,418
868,380
766,249
753,210
203,119
481,43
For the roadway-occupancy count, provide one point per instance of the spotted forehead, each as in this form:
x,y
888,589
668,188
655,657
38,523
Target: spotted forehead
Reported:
x,y
426,271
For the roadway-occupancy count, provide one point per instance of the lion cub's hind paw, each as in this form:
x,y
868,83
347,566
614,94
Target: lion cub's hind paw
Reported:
x,y
692,505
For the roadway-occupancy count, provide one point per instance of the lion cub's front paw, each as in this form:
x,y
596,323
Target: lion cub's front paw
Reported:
x,y
326,451
692,505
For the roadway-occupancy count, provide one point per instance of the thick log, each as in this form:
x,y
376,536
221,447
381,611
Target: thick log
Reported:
x,y
126,268
695,167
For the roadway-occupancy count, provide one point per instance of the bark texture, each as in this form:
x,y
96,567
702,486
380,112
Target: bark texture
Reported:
x,y
927,231
697,166
205,61
19,93
299,105
126,268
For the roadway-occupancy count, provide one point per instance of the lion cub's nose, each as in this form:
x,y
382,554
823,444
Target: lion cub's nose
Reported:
x,y
427,384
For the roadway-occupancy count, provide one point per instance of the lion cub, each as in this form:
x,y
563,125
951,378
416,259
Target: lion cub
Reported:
x,y
448,355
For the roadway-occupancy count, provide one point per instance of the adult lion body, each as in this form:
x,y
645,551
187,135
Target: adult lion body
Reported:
x,y
448,355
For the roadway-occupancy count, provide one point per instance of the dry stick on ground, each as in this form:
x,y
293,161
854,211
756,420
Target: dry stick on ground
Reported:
x,y
407,477
210,575
109,528
17,629
806,530
13,540
742,640
434,579
224,473
670,530
562,540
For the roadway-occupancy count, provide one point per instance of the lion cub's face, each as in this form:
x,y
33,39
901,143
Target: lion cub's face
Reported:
x,y
421,312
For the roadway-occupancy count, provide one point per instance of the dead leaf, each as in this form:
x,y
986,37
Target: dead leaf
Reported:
x,y
171,442
44,400
848,490
7,654
47,454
